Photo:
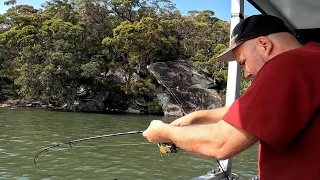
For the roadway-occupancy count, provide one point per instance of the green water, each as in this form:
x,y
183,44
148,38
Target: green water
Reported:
x,y
24,132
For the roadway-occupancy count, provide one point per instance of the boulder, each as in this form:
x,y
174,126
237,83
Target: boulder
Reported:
x,y
186,89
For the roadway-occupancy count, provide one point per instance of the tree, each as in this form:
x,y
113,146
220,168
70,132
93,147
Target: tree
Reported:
x,y
68,51
129,45
10,2
21,10
61,9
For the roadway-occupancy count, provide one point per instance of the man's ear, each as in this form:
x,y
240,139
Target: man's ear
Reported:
x,y
265,45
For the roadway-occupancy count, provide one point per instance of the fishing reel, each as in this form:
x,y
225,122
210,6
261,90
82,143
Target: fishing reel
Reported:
x,y
168,147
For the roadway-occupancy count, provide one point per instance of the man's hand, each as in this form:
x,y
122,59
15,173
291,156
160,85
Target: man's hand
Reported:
x,y
156,132
183,121
219,140
202,117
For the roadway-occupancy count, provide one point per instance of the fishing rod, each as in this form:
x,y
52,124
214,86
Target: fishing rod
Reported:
x,y
71,144
164,147
167,147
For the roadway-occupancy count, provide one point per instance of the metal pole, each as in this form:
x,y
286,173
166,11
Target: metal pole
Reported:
x,y
233,92
234,70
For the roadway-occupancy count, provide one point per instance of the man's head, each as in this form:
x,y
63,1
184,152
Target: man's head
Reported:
x,y
256,40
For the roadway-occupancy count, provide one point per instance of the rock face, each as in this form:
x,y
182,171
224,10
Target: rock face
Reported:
x,y
108,98
183,91
187,90
94,104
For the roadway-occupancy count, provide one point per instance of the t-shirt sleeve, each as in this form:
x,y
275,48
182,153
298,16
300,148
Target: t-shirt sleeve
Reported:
x,y
276,107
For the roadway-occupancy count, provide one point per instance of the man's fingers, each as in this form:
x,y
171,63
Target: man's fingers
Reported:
x,y
144,134
176,123
173,123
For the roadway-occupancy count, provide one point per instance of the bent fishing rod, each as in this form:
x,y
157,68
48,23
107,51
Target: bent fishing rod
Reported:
x,y
164,147
167,147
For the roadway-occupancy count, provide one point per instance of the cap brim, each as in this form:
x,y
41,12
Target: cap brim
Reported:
x,y
228,55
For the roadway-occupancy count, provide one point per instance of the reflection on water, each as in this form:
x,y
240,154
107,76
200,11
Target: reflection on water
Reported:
x,y
24,132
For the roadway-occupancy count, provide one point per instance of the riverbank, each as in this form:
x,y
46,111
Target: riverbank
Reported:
x,y
178,90
25,104
13,104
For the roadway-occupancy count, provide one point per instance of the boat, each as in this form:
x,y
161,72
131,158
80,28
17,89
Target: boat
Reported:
x,y
302,17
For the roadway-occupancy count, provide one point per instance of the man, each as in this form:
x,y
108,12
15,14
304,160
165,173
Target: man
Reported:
x,y
280,109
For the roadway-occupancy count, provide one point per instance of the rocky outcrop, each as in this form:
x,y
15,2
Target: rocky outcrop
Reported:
x,y
92,104
183,90
186,89
107,97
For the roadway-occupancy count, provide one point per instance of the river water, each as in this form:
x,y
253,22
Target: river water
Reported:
x,y
24,132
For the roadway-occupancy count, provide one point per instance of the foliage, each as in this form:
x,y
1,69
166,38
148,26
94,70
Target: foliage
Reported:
x,y
155,107
49,54
136,45
244,85
10,2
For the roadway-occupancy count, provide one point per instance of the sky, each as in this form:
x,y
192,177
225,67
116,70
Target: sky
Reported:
x,y
220,7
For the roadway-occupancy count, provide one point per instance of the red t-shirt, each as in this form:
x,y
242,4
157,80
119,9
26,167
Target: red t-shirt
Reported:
x,y
281,108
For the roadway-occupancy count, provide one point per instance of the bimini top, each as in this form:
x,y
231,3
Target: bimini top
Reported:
x,y
302,17
297,14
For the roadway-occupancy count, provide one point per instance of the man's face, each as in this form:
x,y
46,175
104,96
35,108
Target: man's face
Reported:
x,y
249,57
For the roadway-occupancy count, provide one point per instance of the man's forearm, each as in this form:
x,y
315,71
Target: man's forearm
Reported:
x,y
205,140
209,116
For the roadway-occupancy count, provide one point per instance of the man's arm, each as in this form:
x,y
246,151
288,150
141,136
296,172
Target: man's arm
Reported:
x,y
202,117
218,140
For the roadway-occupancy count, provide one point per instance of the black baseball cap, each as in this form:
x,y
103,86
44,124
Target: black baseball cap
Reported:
x,y
253,27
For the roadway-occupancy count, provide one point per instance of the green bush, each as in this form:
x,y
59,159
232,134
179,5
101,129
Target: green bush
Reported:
x,y
155,107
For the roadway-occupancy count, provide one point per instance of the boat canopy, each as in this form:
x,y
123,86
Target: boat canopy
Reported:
x,y
303,17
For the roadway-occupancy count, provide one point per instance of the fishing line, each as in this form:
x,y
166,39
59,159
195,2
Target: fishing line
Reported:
x,y
71,144
225,174
183,111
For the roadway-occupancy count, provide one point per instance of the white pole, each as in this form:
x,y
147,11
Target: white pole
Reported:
x,y
234,70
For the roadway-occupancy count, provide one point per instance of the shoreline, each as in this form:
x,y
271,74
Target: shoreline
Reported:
x,y
19,104
61,109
